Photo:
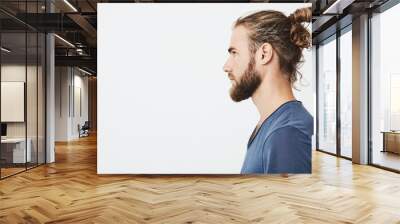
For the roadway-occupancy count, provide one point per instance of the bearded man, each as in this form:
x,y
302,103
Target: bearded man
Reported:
x,y
264,53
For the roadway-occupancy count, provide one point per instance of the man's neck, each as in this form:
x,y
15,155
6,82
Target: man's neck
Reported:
x,y
271,94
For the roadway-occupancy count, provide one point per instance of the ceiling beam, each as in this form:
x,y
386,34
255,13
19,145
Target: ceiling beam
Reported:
x,y
85,61
84,24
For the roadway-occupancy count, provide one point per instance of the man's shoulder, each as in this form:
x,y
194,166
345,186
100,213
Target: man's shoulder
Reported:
x,y
286,133
287,150
293,117
282,134
297,117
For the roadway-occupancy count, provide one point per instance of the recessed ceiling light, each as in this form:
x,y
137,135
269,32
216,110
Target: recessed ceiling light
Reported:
x,y
64,40
70,5
338,6
84,71
5,50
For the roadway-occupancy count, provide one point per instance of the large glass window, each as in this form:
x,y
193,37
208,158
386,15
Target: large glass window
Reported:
x,y
385,89
327,95
346,92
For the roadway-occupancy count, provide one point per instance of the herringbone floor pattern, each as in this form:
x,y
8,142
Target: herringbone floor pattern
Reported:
x,y
70,191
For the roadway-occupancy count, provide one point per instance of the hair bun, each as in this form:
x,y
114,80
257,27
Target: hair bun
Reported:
x,y
299,35
301,15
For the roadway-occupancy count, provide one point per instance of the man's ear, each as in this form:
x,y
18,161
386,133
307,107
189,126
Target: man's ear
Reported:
x,y
265,53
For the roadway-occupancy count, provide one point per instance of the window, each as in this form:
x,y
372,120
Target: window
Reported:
x,y
327,95
385,89
346,74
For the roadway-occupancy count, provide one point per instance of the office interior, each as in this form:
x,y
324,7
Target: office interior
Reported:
x,y
48,83
377,79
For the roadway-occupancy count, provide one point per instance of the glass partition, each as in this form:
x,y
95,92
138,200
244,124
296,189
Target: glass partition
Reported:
x,y
34,49
41,86
13,108
22,63
32,95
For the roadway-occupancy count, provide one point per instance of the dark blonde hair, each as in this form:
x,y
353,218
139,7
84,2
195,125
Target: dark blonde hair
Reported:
x,y
286,34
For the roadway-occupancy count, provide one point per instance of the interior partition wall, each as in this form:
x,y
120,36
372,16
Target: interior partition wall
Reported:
x,y
22,89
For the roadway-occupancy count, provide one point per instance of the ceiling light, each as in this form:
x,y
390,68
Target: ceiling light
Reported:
x,y
70,5
337,7
64,40
86,72
5,50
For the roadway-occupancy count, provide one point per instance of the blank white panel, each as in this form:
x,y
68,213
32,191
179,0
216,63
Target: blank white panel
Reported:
x,y
12,101
163,98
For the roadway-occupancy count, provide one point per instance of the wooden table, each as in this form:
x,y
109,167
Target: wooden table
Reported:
x,y
391,141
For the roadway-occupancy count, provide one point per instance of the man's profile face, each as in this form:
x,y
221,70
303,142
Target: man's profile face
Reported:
x,y
240,66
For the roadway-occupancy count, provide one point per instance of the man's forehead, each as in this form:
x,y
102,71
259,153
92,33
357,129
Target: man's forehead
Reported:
x,y
239,37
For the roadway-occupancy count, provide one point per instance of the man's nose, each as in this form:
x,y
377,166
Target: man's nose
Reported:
x,y
226,68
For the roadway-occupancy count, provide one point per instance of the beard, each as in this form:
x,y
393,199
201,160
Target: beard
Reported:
x,y
248,83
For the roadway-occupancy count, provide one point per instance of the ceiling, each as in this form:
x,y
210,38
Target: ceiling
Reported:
x,y
76,22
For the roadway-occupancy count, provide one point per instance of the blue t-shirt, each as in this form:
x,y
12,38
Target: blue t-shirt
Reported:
x,y
283,142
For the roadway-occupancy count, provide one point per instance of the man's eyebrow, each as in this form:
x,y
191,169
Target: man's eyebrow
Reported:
x,y
231,49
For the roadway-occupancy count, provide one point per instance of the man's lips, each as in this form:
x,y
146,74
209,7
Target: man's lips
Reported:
x,y
233,81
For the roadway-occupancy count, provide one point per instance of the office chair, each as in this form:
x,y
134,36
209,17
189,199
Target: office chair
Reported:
x,y
84,130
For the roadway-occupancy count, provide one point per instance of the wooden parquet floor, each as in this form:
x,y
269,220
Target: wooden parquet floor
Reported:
x,y
70,191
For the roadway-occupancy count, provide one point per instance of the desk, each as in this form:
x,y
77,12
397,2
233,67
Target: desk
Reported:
x,y
391,141
15,148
